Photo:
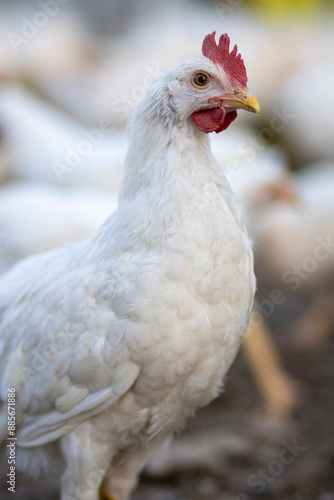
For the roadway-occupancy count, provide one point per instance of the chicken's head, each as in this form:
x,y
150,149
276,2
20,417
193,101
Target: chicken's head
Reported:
x,y
210,90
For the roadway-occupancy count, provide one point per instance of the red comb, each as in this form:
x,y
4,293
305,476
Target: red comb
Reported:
x,y
220,54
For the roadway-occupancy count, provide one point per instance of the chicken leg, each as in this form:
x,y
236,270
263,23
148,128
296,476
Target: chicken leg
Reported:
x,y
104,495
121,478
278,389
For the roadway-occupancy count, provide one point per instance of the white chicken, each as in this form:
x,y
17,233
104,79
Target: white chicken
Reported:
x,y
295,253
37,217
110,343
70,152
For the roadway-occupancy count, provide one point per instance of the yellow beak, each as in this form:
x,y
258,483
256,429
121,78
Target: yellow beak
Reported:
x,y
249,102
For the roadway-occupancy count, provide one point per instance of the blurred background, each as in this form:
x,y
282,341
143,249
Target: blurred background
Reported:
x,y
71,73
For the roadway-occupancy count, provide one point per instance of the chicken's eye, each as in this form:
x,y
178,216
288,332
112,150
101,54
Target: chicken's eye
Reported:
x,y
200,79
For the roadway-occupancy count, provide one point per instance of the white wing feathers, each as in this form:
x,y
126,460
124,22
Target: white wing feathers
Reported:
x,y
46,428
57,348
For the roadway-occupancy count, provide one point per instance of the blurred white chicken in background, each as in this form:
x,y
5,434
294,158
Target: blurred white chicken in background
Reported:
x,y
70,153
37,217
295,251
309,135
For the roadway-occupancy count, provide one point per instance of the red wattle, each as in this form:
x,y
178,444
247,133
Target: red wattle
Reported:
x,y
229,118
213,120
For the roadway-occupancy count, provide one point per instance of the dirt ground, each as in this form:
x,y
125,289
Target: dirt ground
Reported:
x,y
230,450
